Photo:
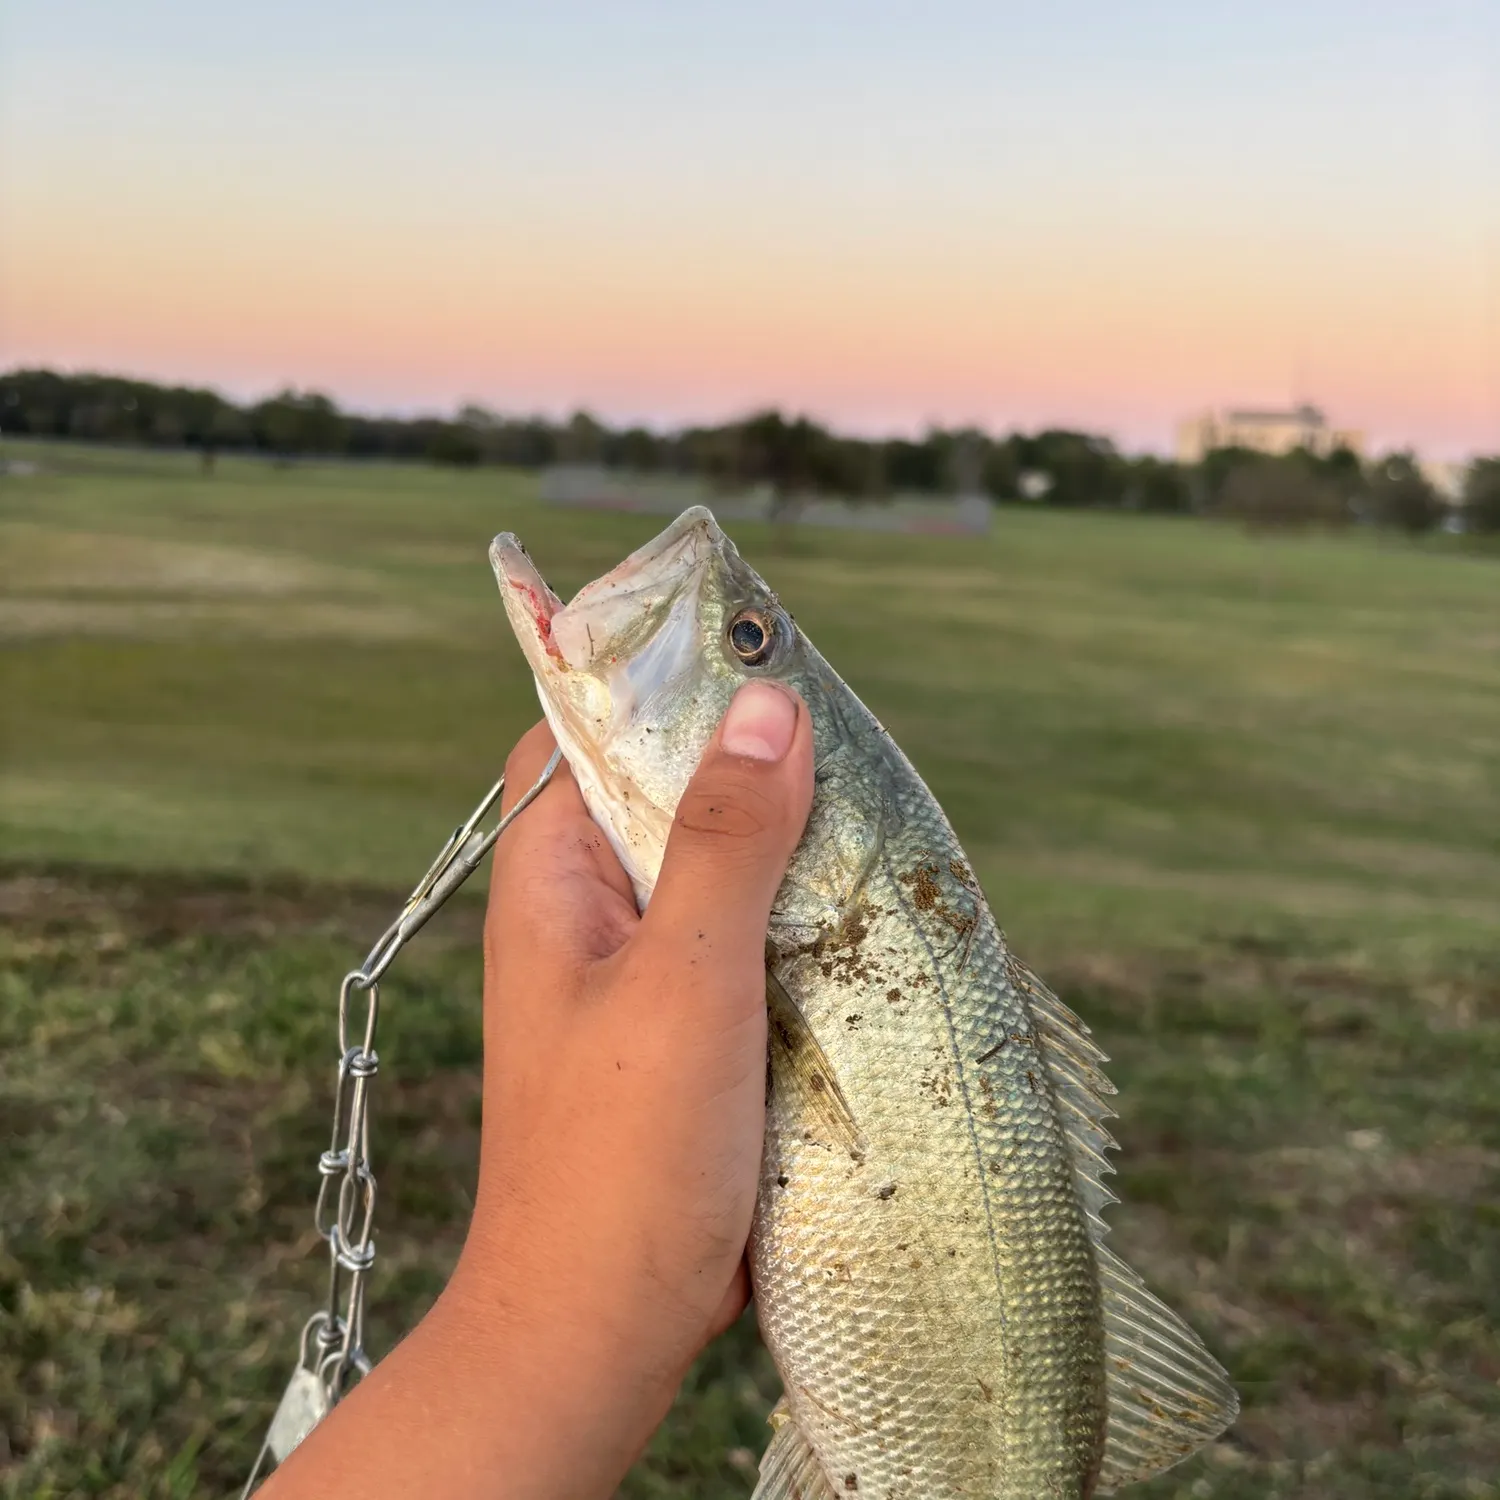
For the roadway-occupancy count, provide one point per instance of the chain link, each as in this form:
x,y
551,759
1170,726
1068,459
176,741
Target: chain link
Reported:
x,y
332,1342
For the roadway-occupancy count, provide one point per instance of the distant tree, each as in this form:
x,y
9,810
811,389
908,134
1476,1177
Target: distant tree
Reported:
x,y
1400,495
918,467
793,457
1343,465
167,426
636,449
581,441
453,443
1210,474
1155,484
528,443
1002,470
1282,493
1084,470
296,422
849,467
484,429
481,418
228,427
716,454
274,424
1481,499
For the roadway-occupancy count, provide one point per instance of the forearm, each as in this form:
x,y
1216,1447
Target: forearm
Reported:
x,y
480,1404
624,1115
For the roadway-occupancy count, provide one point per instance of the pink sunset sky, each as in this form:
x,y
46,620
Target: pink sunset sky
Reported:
x,y
885,215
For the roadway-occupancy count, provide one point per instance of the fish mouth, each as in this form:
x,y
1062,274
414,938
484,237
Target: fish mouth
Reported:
x,y
606,661
688,543
609,613
590,630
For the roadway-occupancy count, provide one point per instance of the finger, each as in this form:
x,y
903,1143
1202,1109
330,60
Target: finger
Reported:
x,y
557,823
555,875
526,762
736,827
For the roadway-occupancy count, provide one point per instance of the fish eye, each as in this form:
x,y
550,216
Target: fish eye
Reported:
x,y
751,636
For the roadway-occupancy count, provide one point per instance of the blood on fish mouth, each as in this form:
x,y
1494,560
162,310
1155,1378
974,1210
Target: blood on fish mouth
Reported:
x,y
541,614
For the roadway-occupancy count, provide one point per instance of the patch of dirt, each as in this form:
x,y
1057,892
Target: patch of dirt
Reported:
x,y
39,898
1331,996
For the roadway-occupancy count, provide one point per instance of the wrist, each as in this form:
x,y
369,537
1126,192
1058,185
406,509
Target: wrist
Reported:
x,y
575,1386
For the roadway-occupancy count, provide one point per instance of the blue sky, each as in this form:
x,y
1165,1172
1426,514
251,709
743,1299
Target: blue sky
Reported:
x,y
887,213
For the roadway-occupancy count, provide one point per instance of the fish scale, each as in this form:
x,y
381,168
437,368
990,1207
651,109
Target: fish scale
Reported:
x,y
954,1256
927,1252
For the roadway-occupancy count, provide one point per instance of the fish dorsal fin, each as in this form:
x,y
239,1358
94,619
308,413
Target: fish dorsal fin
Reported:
x,y
800,1067
1080,1088
1167,1394
789,1469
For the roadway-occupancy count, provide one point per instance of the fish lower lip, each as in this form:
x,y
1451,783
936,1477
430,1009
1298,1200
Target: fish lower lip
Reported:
x,y
519,576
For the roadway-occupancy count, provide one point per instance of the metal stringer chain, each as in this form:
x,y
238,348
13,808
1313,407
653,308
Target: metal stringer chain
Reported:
x,y
332,1342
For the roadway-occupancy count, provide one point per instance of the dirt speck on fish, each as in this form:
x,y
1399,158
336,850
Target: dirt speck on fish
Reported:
x,y
928,1252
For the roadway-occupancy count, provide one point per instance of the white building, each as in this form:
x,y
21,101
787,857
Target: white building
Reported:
x,y
1263,431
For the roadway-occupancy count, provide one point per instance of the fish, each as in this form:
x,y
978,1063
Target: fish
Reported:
x,y
927,1255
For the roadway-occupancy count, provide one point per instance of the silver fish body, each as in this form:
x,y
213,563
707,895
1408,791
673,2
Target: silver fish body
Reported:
x,y
928,1290
927,1251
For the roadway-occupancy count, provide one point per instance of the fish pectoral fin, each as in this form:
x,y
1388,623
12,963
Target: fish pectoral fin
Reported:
x,y
1168,1395
789,1469
800,1067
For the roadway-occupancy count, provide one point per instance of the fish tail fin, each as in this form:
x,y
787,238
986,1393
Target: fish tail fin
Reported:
x,y
1168,1396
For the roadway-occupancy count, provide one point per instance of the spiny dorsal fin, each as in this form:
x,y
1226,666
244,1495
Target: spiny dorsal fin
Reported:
x,y
1167,1394
789,1469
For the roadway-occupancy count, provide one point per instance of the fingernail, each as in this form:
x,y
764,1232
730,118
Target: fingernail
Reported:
x,y
760,723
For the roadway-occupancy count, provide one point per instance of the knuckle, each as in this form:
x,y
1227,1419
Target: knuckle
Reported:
x,y
735,810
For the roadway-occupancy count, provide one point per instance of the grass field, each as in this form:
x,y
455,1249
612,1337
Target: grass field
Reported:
x,y
1237,799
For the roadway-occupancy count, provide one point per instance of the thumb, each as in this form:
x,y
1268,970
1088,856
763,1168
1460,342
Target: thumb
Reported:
x,y
736,827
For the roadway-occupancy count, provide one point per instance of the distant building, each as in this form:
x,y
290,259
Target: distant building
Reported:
x,y
1265,431
1446,478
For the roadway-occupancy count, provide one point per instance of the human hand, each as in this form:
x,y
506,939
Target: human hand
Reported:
x,y
625,1068
624,1102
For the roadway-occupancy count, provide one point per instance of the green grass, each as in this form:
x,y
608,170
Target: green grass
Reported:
x,y
1238,799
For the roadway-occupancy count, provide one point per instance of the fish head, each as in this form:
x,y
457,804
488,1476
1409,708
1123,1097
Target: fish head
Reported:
x,y
635,672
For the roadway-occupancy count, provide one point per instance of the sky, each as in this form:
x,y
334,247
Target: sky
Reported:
x,y
886,215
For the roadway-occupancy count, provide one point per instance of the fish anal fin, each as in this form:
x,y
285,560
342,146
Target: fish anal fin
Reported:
x,y
800,1068
1167,1395
789,1469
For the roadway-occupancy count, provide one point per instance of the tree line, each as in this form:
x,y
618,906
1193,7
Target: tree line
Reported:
x,y
792,455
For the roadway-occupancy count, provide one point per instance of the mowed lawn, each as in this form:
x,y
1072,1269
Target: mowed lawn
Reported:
x,y
1238,799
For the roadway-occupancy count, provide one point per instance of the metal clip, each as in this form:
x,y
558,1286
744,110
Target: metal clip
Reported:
x,y
456,861
346,1190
